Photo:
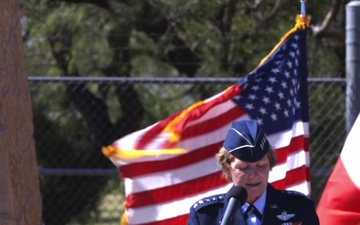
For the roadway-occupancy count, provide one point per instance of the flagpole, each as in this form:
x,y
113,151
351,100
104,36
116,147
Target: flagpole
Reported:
x,y
352,63
302,7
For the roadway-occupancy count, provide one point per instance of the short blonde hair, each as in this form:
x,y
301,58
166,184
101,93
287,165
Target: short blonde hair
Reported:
x,y
224,159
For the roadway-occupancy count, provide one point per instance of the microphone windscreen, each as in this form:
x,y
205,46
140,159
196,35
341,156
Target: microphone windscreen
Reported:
x,y
239,193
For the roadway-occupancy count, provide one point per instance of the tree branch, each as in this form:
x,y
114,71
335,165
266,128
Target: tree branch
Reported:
x,y
324,27
265,19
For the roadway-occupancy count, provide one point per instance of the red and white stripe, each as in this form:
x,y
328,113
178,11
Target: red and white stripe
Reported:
x,y
339,203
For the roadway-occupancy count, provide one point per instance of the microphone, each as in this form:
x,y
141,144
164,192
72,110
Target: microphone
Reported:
x,y
237,197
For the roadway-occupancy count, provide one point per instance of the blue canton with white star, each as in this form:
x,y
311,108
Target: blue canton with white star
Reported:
x,y
275,93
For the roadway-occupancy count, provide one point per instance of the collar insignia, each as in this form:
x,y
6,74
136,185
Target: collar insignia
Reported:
x,y
285,216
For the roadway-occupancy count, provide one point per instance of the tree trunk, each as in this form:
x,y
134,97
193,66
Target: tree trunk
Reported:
x,y
20,200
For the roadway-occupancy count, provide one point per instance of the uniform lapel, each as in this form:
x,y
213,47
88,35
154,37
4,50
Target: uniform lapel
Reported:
x,y
272,207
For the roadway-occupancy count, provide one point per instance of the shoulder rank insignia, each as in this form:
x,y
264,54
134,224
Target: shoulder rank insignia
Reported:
x,y
285,216
209,200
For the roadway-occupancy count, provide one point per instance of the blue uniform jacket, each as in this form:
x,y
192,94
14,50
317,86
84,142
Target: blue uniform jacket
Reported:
x,y
281,208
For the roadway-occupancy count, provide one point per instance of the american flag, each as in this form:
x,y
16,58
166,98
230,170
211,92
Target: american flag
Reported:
x,y
160,188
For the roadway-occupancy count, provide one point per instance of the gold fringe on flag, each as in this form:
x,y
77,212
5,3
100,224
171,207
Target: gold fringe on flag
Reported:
x,y
172,129
130,154
123,219
174,135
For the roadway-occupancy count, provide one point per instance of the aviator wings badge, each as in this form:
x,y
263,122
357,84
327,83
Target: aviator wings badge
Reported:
x,y
285,216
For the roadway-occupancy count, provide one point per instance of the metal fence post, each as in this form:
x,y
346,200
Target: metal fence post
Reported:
x,y
352,62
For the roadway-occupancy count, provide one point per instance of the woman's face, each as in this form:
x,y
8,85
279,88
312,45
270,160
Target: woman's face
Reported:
x,y
253,176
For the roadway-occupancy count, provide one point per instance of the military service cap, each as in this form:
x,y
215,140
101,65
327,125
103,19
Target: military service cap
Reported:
x,y
246,141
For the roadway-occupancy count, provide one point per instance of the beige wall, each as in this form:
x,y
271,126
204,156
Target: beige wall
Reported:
x,y
20,201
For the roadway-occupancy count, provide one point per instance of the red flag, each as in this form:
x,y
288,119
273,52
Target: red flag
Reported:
x,y
162,181
339,203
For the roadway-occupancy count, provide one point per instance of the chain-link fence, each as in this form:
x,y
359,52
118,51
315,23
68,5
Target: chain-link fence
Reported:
x,y
75,117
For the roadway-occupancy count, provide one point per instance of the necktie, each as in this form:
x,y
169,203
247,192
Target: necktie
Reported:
x,y
252,209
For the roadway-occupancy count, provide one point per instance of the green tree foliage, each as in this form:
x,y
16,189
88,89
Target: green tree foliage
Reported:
x,y
145,38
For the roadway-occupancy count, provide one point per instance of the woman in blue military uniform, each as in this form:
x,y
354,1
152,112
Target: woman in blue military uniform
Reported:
x,y
246,160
